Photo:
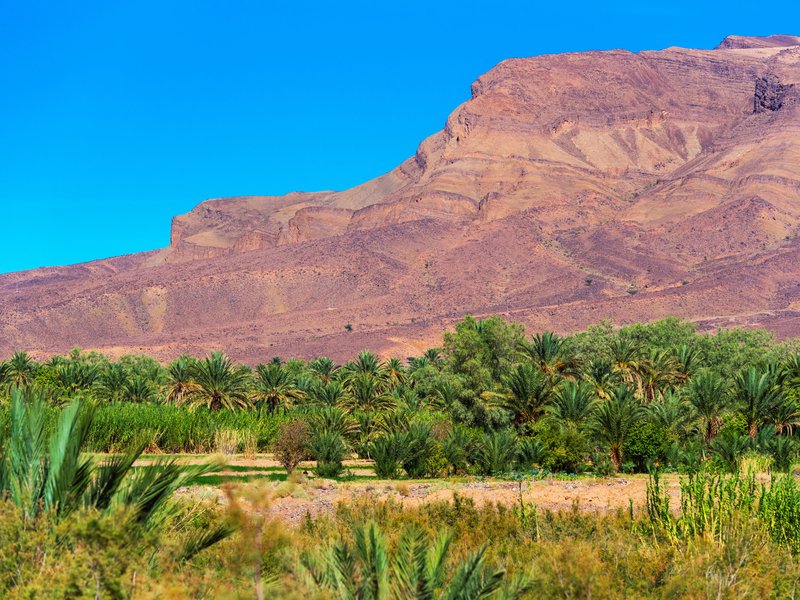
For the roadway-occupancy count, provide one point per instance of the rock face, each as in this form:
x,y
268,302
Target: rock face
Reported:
x,y
570,188
771,94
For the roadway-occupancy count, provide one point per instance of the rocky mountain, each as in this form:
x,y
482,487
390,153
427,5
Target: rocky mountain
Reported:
x,y
570,188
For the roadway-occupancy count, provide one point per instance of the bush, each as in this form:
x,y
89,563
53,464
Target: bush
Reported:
x,y
389,451
497,452
646,442
291,445
328,448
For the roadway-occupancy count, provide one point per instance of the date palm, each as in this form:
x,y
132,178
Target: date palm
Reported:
x,y
626,360
526,394
111,383
74,376
180,380
614,419
327,394
21,369
275,388
323,369
395,372
600,375
755,392
49,472
572,405
220,384
366,363
366,392
785,415
708,393
548,352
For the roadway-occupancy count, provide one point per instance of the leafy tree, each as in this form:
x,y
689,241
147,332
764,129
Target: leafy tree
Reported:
x,y
291,444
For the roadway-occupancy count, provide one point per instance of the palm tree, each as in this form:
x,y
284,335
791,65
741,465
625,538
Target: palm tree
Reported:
x,y
328,394
672,414
366,363
785,415
365,392
220,384
366,570
323,368
111,382
395,372
573,403
75,375
757,395
615,418
527,392
626,360
600,374
548,352
138,389
708,393
688,361
275,388
180,381
21,369
657,374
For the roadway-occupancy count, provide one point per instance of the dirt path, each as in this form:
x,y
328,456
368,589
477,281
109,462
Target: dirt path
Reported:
x,y
292,501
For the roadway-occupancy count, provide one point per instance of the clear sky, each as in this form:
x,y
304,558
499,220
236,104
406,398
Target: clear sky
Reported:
x,y
115,116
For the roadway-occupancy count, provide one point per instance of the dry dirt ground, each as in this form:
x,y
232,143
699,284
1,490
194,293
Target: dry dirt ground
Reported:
x,y
304,494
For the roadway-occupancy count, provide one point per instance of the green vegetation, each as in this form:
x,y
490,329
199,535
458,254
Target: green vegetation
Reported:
x,y
490,400
79,516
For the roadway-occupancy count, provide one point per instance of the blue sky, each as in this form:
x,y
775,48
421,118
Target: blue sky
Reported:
x,y
115,116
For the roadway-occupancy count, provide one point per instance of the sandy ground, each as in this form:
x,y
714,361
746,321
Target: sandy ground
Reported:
x,y
292,501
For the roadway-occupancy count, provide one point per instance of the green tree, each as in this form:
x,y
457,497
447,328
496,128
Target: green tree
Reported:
x,y
275,388
220,384
614,419
573,403
708,394
756,395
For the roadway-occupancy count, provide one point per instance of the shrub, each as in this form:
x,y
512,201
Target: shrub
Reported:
x,y
646,442
328,448
291,445
389,451
497,452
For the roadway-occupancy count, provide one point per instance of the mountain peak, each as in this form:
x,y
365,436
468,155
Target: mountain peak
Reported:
x,y
741,42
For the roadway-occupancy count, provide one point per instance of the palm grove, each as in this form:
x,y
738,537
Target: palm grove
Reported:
x,y
490,401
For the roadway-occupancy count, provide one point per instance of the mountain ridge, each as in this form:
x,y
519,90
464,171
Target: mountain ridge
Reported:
x,y
568,189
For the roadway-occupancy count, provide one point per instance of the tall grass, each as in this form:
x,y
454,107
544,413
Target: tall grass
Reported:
x,y
173,429
713,504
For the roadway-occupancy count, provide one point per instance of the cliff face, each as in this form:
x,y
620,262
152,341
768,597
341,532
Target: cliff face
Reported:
x,y
565,184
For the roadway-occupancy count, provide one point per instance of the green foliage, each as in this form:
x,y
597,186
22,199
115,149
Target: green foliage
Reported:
x,y
646,442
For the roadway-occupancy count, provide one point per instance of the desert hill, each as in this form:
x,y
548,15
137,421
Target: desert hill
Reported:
x,y
570,188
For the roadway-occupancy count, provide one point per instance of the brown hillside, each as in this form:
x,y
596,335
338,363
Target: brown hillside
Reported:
x,y
565,184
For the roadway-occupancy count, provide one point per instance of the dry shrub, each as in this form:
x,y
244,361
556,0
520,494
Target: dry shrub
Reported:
x,y
291,445
227,441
